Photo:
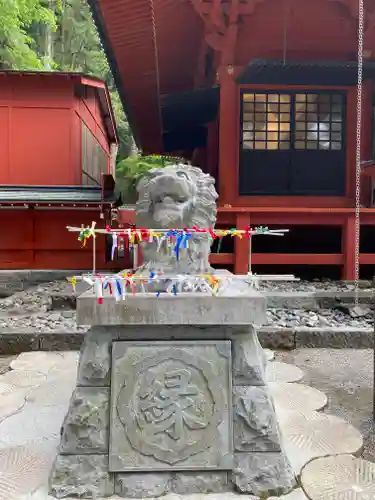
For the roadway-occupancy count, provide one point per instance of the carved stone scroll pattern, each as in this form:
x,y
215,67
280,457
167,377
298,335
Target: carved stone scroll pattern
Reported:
x,y
170,408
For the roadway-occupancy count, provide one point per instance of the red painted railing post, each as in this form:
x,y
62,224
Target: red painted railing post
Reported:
x,y
348,248
242,245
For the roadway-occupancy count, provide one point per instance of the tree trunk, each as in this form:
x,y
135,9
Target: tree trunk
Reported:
x,y
133,148
48,39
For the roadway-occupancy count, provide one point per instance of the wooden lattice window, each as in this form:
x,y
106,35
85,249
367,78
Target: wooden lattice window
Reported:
x,y
318,121
266,121
301,121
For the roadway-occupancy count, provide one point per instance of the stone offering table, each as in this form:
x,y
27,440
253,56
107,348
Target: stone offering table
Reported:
x,y
171,396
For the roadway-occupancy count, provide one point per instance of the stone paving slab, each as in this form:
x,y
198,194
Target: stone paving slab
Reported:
x,y
346,377
17,341
339,478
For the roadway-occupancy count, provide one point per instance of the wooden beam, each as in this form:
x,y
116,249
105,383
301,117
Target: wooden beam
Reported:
x,y
222,258
288,259
367,258
297,259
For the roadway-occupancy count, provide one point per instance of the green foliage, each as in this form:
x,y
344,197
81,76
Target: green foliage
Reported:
x,y
17,46
132,169
76,45
77,48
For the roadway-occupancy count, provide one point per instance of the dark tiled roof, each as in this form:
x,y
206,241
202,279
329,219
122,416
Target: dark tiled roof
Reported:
x,y
304,72
53,194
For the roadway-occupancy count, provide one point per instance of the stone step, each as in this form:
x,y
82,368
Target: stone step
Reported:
x,y
18,341
278,300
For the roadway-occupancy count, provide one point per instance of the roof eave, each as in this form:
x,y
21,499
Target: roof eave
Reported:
x,y
100,25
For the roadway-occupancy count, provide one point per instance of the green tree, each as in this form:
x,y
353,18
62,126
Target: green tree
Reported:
x,y
77,47
18,48
133,168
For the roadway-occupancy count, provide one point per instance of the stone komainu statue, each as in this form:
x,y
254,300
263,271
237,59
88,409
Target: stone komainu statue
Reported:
x,y
176,197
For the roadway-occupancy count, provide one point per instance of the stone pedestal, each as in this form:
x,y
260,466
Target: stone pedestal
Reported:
x,y
171,396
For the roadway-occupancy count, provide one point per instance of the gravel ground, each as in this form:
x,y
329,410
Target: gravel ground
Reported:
x,y
29,309
346,377
310,286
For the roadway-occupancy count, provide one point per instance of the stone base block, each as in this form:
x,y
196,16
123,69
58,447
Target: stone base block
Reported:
x,y
94,367
142,485
149,485
86,426
249,359
254,420
263,474
84,476
200,482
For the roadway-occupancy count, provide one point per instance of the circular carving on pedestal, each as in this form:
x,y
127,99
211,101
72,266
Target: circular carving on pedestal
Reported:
x,y
170,406
283,372
291,396
341,477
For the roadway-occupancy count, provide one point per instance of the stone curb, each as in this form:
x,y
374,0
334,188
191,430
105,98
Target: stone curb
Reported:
x,y
18,341
334,338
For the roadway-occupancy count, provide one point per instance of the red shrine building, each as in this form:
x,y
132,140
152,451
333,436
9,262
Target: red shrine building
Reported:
x,y
262,94
58,136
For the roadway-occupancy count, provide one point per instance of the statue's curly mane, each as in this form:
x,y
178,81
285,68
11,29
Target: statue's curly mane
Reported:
x,y
202,196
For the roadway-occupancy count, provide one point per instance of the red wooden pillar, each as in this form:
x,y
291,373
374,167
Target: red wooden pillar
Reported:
x,y
227,136
212,149
241,246
348,248
366,140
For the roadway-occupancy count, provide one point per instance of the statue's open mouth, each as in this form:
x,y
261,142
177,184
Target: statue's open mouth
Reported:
x,y
171,191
